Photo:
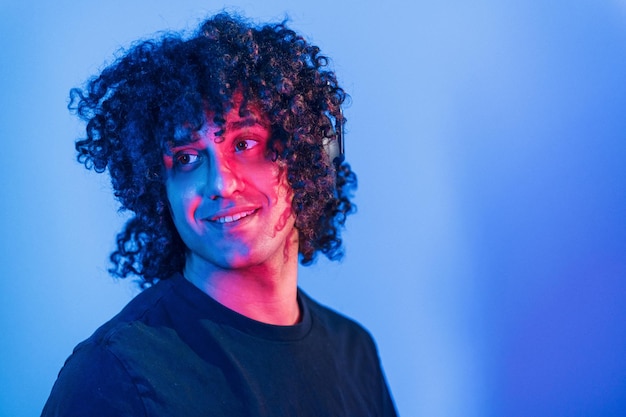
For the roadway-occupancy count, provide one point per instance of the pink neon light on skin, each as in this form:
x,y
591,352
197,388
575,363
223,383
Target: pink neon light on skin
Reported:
x,y
231,205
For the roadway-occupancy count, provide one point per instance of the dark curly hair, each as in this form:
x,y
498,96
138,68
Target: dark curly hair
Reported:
x,y
160,90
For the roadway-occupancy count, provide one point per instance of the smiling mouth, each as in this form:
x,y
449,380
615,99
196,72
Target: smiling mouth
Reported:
x,y
235,217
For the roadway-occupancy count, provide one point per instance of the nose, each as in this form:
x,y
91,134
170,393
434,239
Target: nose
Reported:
x,y
223,178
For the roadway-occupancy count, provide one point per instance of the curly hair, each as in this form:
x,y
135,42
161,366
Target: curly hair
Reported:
x,y
160,90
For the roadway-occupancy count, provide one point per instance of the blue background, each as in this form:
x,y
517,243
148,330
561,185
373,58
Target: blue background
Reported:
x,y
488,256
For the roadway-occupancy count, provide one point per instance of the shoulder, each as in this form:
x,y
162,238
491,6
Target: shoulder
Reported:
x,y
93,381
355,354
338,326
99,377
146,307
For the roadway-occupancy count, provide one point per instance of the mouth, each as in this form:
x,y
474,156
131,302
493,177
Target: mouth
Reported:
x,y
233,217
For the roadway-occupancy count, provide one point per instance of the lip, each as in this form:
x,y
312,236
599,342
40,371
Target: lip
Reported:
x,y
231,217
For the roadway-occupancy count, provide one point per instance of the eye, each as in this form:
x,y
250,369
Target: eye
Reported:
x,y
186,158
245,144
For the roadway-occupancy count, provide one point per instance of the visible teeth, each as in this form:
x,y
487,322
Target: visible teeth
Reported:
x,y
234,217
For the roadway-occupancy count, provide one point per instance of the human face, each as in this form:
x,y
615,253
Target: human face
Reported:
x,y
230,202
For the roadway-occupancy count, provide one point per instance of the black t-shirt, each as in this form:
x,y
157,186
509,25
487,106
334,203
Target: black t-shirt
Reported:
x,y
174,351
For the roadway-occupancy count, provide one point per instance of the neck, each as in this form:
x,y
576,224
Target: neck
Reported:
x,y
266,292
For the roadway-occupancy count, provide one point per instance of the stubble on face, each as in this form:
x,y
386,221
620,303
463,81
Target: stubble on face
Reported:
x,y
236,153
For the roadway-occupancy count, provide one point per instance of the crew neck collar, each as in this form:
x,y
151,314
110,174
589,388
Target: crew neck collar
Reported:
x,y
207,307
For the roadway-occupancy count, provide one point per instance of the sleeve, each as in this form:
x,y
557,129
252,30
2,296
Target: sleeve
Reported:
x,y
388,406
368,364
93,382
385,399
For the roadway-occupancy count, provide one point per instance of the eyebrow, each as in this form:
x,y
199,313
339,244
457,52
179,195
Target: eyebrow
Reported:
x,y
247,121
179,143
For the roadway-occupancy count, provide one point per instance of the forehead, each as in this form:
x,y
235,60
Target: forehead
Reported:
x,y
236,117
242,113
234,120
243,117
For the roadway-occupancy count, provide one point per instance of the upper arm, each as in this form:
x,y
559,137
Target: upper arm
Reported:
x,y
93,382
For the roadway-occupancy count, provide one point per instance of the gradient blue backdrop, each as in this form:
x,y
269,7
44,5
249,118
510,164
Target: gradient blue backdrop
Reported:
x,y
488,256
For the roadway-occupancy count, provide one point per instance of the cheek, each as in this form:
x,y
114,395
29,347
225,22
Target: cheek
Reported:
x,y
184,201
168,161
272,180
280,194
190,206
283,188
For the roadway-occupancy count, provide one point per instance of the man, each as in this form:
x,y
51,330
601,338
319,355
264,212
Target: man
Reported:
x,y
226,148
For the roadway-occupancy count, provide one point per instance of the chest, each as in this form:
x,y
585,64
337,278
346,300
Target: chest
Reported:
x,y
219,373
